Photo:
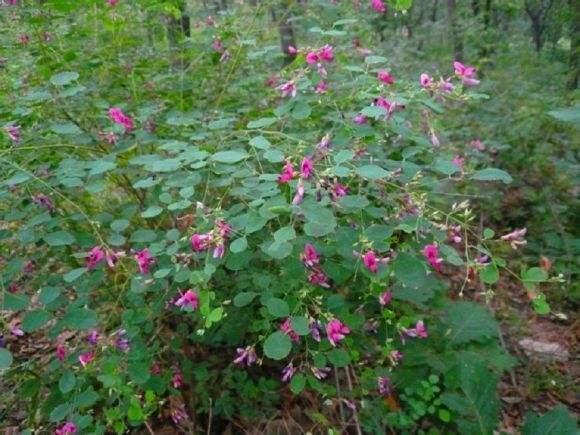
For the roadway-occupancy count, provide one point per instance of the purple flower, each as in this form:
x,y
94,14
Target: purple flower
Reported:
x,y
336,331
66,428
96,255
516,238
426,80
93,337
13,132
385,77
246,356
121,340
310,256
200,242
385,298
60,352
118,117
360,119
86,358
320,372
144,260
287,173
371,261
189,300
396,356
43,201
288,89
315,330
306,168
177,378
300,191
384,385
338,191
318,277
288,372
419,331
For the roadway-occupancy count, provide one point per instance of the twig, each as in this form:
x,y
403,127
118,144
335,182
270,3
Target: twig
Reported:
x,y
339,397
209,418
149,428
354,411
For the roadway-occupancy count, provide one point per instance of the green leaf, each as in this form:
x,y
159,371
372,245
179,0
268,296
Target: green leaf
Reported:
x,y
468,321
285,234
354,202
143,236
540,305
567,114
278,307
298,383
244,298
260,142
229,157
34,320
239,245
74,274
81,318
59,238
492,174
371,60
343,156
533,276
119,225
374,112
261,123
372,172
278,250
408,269
301,110
60,412
151,212
490,274
300,325
274,156
558,421
48,295
66,128
64,78
277,346
5,358
339,357
67,381
14,301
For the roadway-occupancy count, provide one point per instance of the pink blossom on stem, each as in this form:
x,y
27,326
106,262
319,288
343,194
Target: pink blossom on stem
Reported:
x,y
200,242
292,50
144,260
455,234
13,132
306,168
419,331
67,428
287,173
336,331
379,6
385,77
426,80
339,190
321,87
96,255
384,385
478,145
288,372
384,103
86,358
112,3
310,256
299,196
219,250
360,119
385,298
312,58
431,253
459,162
286,328
446,86
93,337
371,261
396,356
118,117
318,277
223,228
60,352
246,356
177,378
516,238
288,89
320,372
189,300
466,73
326,53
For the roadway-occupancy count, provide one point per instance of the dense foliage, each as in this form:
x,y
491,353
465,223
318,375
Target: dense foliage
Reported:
x,y
200,228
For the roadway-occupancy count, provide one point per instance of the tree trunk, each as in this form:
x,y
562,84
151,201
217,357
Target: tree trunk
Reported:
x,y
573,74
434,11
475,7
178,27
453,26
286,31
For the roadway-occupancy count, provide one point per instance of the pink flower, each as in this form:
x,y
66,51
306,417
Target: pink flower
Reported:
x,y
336,331
385,77
321,87
286,328
360,119
396,356
384,103
219,250
434,139
426,80
112,3
66,428
516,238
246,356
292,50
96,255
458,161
318,277
223,228
118,117
446,86
44,202
326,53
384,385
288,89
419,331
144,260
324,143
177,378
60,352
385,298
306,168
455,234
371,261
200,242
320,372
188,300
287,173
466,73
315,330
299,196
217,45
17,331
312,58
477,145
339,190
13,132
93,337
86,358
379,6
431,253
310,257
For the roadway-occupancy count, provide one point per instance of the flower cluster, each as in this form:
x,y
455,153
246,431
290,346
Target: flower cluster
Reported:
x,y
216,238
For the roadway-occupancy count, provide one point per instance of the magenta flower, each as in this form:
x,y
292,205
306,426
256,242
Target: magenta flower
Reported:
x,y
426,80
200,242
86,358
385,298
324,143
446,86
60,352
13,132
338,191
288,89
288,372
66,429
96,255
177,378
299,196
93,337
384,385
287,173
459,162
312,58
321,87
379,6
419,331
360,119
219,250
217,45
144,260
455,234
371,261
223,228
17,331
336,331
431,253
286,328
315,330
318,277
112,3
246,356
326,53
516,238
189,300
118,117
310,257
121,340
385,104
478,145
44,201
385,77
320,372
466,73
306,167
292,50
396,356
